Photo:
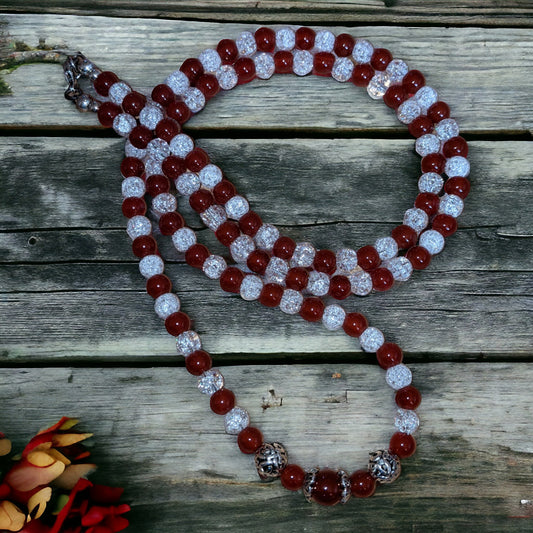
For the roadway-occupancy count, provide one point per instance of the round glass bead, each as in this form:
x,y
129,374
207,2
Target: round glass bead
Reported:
x,y
152,166
302,63
452,205
266,236
386,247
416,219
151,265
158,149
432,241
398,376
194,99
133,187
346,260
118,91
430,182
138,226
371,339
291,301
213,217
361,282
324,41
397,69
303,255
342,69
227,77
210,60
285,39
210,381
178,82
318,283
236,420
400,267
132,151
164,203
446,129
333,317
264,65
210,175
378,85
188,342
276,270
236,207
187,183
181,145
426,96
246,44
123,124
241,248
251,287
183,239
150,115
166,304
408,111
427,144
457,166
362,51
213,266
406,421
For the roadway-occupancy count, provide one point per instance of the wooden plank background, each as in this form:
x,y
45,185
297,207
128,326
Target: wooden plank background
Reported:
x,y
78,335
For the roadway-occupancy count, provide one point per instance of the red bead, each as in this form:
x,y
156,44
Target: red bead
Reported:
x,y
231,279
179,111
107,113
245,69
395,96
284,248
201,200
283,62
140,136
419,257
227,232
380,58
326,488
167,129
227,50
169,223
196,159
312,309
223,191
323,63
296,278
208,84
158,285
258,261
132,207
250,223
271,294
196,255
134,103
408,398
222,401
382,279
249,439
455,146
103,82
173,166
433,163
192,68
131,166
344,44
402,445
305,38
325,261
198,362
405,236
439,111
354,324
413,81
362,74
446,225
162,94
368,258
292,477
177,323
363,485
157,184
340,287
265,38
420,126
428,202
389,354
457,185
144,245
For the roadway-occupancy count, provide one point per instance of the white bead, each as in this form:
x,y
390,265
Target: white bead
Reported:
x,y
266,236
151,265
432,241
164,203
251,287
210,175
406,421
158,149
178,82
276,270
187,183
213,217
324,41
408,111
210,381
183,239
118,91
427,144
430,182
457,166
400,267
303,255
386,247
318,283
446,129
452,205
194,99
227,77
333,317
378,85
138,226
133,187
362,51
241,248
236,420
285,39
133,151
181,145
346,260
213,266
416,218
397,69
302,62
166,304
150,115
371,339
236,207
123,124
264,65
360,282
291,301
246,44
188,342
398,377
426,96
152,166
342,69
210,60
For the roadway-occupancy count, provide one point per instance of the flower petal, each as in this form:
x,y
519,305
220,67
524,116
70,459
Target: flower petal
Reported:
x,y
11,517
5,446
37,503
41,459
71,475
23,476
67,439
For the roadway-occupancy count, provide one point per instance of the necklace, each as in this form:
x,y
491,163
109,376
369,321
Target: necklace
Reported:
x,y
272,267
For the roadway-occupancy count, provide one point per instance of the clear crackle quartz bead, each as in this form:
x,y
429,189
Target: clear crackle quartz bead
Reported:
x,y
251,287
333,317
188,342
236,420
398,376
406,421
210,381
291,301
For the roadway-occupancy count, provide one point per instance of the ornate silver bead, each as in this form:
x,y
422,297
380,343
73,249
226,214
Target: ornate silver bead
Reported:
x,y
343,480
384,466
309,483
270,459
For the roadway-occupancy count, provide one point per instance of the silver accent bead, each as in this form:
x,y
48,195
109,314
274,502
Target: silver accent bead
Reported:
x,y
213,266
398,376
270,459
406,421
371,339
83,102
246,44
346,486
227,77
213,217
333,317
291,301
362,51
194,99
181,145
236,420
343,480
303,255
309,483
188,342
178,82
302,62
210,381
324,41
384,466
342,69
264,65
285,39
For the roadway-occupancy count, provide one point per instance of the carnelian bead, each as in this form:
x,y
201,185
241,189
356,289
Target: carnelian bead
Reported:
x,y
326,487
192,68
162,94
265,38
305,38
438,111
380,58
354,324
395,96
196,255
271,294
455,146
408,398
201,200
297,278
389,354
420,126
402,445
413,81
245,69
196,159
284,248
292,477
368,258
283,60
134,103
177,323
103,82
340,287
258,261
222,401
344,44
179,111
227,232
132,207
144,245
249,439
170,222
382,279
157,184
362,74
131,166
433,163
227,50
250,223
323,63
419,257
198,362
362,484
173,166
446,225
223,191
457,185
428,202
312,309
140,136
405,236
107,113
158,285
325,261
208,84
167,129
231,279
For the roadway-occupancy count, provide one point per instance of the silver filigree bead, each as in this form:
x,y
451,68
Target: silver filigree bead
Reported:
x,y
426,96
194,99
430,182
213,217
427,144
246,44
324,41
346,260
408,111
137,226
303,255
432,241
416,218
342,69
236,207
270,459
452,205
123,124
384,466
133,187
302,62
166,304
386,247
266,236
400,267
158,149
333,317
291,301
150,115
118,91
183,239
264,65
309,483
285,39
371,339
188,342
315,474
345,485
241,248
251,287
210,381
236,420
457,166
213,266
378,85
151,265
178,82
398,376
397,69
227,77
187,183
318,283
406,421
276,270
362,51
360,282
164,203
210,60
181,145
446,129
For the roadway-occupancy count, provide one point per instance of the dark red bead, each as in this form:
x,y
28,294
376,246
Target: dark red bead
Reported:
x,y
283,62
250,223
222,401
201,200
362,74
208,84
177,323
223,191
439,111
158,285
323,63
420,126
134,103
413,81
402,445
271,294
362,484
265,38
227,232
292,477
143,246
179,111
312,309
170,222
140,136
305,38
245,69
340,287
354,324
258,261
408,398
446,225
395,96
419,257
157,184
428,202
405,236
368,258
344,44
227,50
457,185
132,207
249,439
433,163
103,82
198,362
325,261
162,94
196,255
173,166
389,354
326,489
167,129
284,248
131,166
380,58
231,279
107,113
382,279
192,68
296,278
196,159
455,146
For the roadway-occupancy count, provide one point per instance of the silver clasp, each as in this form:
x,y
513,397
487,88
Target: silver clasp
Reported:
x,y
77,67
